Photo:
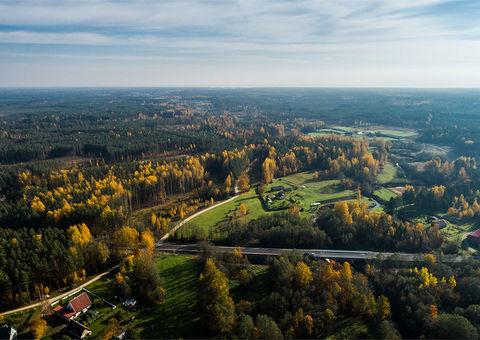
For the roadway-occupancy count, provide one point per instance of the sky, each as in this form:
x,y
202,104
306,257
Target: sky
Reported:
x,y
241,43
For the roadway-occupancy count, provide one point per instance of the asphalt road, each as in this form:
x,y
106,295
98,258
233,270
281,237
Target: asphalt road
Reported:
x,y
320,253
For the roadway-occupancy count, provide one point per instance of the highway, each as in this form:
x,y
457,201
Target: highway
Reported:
x,y
320,253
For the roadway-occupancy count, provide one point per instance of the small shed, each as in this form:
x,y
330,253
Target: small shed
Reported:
x,y
276,188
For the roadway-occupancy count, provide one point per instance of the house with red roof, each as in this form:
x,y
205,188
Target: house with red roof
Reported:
x,y
475,236
75,307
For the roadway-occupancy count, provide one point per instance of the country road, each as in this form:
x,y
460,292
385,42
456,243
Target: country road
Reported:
x,y
61,296
320,253
189,248
99,276
189,218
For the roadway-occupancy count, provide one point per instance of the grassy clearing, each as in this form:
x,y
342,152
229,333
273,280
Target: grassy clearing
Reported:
x,y
309,190
214,217
305,190
324,132
177,317
387,174
20,321
385,194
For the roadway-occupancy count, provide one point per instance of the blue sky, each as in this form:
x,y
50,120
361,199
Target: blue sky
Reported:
x,y
355,43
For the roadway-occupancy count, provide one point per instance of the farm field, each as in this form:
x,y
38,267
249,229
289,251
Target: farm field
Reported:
x,y
212,218
176,317
307,190
385,194
390,173
390,133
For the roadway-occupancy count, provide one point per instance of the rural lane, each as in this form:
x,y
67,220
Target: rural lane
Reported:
x,y
61,296
189,218
99,276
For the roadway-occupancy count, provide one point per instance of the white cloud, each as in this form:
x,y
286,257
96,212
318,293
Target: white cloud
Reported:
x,y
333,40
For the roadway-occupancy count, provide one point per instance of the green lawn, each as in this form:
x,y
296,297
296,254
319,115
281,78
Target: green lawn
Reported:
x,y
402,133
311,190
385,194
177,317
20,321
212,218
323,132
387,174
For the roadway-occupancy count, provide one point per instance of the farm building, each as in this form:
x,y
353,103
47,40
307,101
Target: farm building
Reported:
x,y
475,236
75,307
277,188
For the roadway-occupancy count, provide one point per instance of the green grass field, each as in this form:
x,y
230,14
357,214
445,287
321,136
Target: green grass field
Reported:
x,y
385,194
212,218
306,189
20,321
311,190
387,130
177,317
387,174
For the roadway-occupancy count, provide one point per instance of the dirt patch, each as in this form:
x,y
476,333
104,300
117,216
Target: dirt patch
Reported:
x,y
397,190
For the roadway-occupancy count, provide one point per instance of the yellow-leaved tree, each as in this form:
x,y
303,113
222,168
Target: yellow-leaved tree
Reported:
x,y
302,274
215,299
148,241
243,182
